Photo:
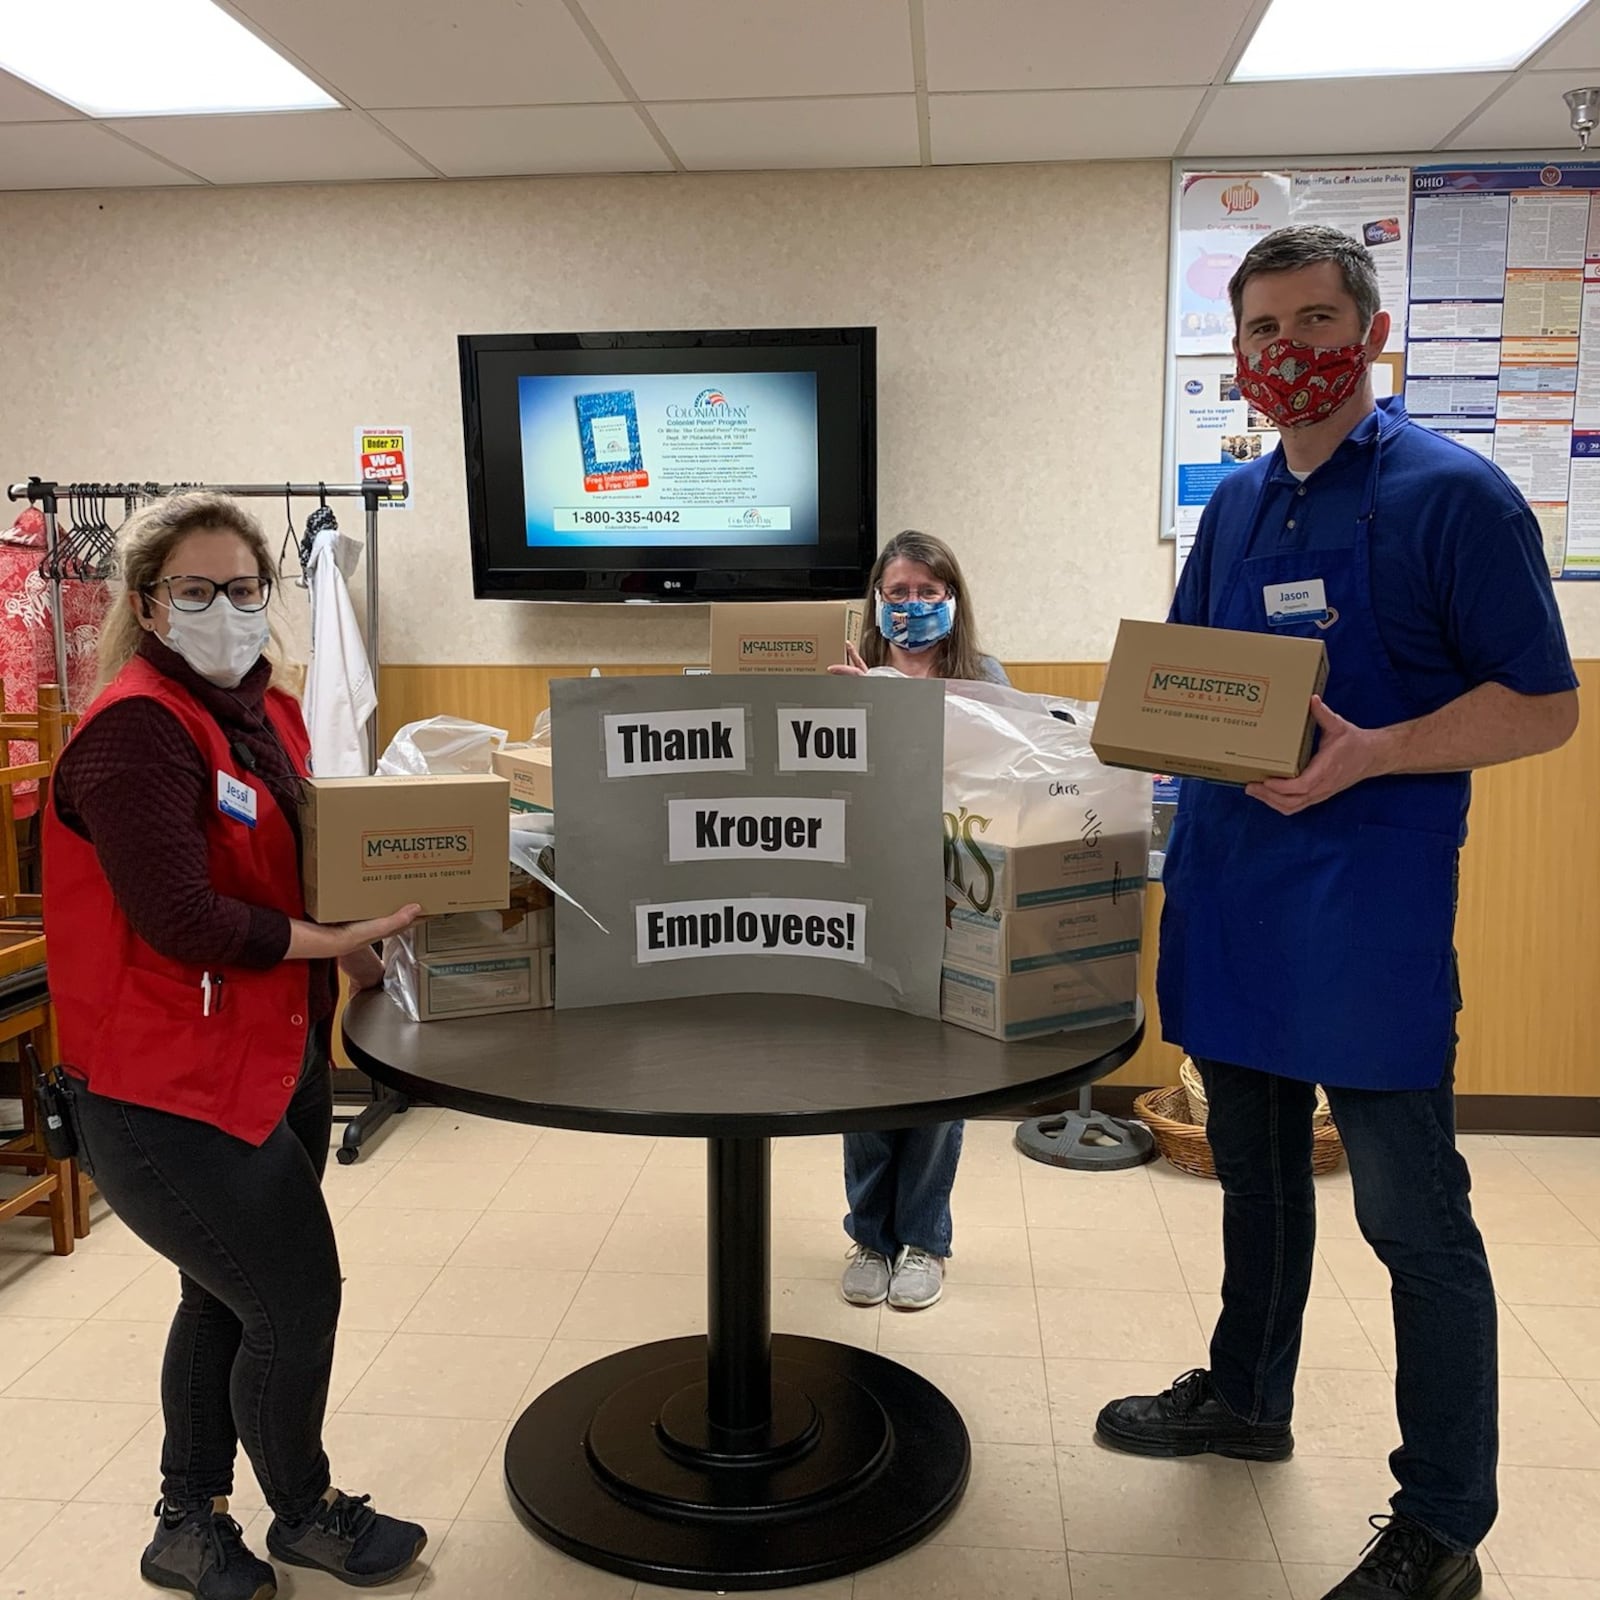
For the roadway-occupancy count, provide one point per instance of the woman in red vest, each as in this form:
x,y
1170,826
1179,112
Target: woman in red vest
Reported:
x,y
195,1008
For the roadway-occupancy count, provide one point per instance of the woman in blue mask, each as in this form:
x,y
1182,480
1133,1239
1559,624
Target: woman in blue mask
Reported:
x,y
898,1184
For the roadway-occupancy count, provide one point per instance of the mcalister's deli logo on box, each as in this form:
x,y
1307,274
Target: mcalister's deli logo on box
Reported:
x,y
1236,693
766,647
387,851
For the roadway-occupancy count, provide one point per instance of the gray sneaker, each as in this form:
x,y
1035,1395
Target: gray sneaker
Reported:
x,y
918,1280
346,1538
866,1279
205,1555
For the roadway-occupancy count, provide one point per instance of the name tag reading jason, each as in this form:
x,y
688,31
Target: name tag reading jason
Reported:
x,y
236,799
1288,603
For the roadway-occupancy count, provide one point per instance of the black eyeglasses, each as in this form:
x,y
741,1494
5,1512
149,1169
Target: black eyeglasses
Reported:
x,y
196,594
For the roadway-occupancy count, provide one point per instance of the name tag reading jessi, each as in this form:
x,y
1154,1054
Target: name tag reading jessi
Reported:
x,y
1289,603
236,799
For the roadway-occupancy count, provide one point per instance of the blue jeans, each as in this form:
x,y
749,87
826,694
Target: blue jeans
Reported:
x,y
1411,1195
898,1185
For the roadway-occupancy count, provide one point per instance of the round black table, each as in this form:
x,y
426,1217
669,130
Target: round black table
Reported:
x,y
744,1459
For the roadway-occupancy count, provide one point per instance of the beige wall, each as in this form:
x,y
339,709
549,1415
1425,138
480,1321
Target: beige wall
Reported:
x,y
241,334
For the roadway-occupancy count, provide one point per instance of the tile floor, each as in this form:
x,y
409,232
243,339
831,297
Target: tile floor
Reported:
x,y
484,1261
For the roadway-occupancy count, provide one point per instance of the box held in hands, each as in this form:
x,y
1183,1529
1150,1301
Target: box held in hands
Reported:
x,y
373,845
1215,703
799,636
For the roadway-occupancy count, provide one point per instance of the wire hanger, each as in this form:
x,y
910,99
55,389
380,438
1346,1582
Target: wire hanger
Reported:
x,y
291,540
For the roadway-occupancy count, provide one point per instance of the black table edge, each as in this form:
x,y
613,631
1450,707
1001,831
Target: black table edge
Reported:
x,y
1037,1097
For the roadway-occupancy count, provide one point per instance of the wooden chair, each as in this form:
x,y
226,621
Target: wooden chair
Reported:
x,y
53,1189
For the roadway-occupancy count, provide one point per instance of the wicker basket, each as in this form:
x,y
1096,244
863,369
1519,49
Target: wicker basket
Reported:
x,y
1166,1113
1194,1087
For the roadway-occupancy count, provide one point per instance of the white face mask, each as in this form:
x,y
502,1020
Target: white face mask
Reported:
x,y
221,643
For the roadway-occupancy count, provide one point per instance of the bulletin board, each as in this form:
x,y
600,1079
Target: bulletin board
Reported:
x,y
1492,274
1504,322
1217,215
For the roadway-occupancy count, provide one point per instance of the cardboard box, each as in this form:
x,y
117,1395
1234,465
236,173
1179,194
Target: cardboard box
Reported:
x,y
801,636
482,932
479,985
1209,702
526,767
373,845
992,878
1073,994
1025,941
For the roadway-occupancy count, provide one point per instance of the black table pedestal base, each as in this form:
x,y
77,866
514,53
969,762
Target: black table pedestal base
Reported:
x,y
618,1466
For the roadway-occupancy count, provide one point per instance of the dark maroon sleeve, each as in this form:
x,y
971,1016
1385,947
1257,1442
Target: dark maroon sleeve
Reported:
x,y
135,786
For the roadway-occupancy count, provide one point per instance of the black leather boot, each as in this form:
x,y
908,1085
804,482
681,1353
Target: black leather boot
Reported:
x,y
1406,1562
1189,1420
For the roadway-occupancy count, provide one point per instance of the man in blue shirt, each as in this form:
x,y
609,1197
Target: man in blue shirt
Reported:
x,y
1307,936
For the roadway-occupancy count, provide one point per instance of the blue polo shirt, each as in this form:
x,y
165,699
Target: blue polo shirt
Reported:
x,y
1459,581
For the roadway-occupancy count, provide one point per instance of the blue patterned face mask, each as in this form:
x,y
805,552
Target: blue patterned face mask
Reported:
x,y
916,624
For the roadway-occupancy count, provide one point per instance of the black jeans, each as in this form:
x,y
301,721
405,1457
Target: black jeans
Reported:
x,y
1411,1196
251,1345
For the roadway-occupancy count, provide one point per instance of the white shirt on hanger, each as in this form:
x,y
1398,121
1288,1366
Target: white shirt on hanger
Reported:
x,y
340,697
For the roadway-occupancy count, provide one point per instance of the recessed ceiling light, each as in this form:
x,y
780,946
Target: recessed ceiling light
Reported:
x,y
1384,38
148,58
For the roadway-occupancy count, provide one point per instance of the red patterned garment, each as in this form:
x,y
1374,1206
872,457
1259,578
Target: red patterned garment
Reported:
x,y
27,648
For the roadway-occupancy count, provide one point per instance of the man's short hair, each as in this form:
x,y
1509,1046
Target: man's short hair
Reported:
x,y
1303,245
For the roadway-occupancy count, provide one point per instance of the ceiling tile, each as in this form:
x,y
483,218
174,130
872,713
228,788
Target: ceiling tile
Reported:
x,y
1577,45
75,155
423,53
276,147
1049,44
1530,115
1059,125
752,135
1337,116
744,49
511,140
21,102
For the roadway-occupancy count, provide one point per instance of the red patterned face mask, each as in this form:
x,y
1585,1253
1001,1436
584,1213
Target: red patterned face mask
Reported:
x,y
1296,384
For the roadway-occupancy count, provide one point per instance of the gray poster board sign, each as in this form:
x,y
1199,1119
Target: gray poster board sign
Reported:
x,y
749,835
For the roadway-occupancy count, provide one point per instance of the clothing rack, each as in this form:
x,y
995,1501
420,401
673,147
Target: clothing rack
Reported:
x,y
47,493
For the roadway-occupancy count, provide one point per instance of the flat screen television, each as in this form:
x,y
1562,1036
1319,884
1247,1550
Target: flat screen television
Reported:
x,y
710,465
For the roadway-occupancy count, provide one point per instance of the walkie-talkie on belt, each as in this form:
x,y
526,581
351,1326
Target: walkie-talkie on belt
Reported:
x,y
52,1095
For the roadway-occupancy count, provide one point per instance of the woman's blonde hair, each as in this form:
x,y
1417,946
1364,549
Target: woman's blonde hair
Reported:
x,y
145,541
957,656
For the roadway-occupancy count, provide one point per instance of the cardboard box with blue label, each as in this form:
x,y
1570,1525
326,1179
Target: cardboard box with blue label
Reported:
x,y
470,984
526,767
1047,999
373,845
1216,703
1048,936
494,932
994,878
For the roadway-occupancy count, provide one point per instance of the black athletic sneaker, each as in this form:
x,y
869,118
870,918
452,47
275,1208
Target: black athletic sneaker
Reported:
x,y
346,1537
1405,1562
205,1555
1189,1420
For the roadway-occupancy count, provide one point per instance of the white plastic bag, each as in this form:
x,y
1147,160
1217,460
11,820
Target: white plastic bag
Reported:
x,y
1022,764
441,746
1018,774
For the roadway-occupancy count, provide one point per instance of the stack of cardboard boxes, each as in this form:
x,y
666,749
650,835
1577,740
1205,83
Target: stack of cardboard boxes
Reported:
x,y
476,963
1043,936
